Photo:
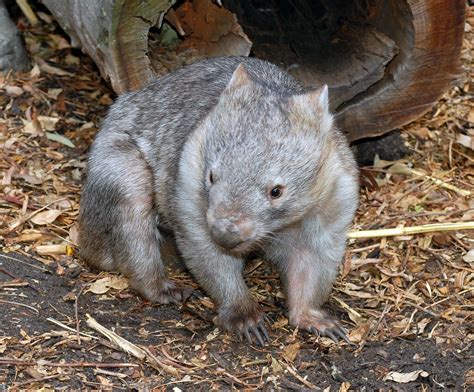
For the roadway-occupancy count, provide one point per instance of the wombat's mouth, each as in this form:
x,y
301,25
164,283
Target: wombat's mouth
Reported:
x,y
243,247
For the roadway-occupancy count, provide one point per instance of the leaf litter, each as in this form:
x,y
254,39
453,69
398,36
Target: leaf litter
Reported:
x,y
406,300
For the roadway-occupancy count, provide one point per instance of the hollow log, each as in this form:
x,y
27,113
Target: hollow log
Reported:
x,y
386,62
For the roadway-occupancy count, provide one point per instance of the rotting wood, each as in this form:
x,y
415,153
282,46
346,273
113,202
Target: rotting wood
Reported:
x,y
115,35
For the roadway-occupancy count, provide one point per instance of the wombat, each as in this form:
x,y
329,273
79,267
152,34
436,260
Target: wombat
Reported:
x,y
232,155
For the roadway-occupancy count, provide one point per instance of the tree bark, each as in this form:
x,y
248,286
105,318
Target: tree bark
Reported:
x,y
386,62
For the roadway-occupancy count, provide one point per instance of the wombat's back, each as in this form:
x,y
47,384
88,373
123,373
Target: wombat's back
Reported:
x,y
173,104
158,119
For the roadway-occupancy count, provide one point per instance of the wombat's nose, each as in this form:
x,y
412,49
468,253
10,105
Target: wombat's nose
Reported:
x,y
229,234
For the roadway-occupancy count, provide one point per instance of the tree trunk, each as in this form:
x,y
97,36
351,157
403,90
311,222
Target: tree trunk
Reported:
x,y
386,62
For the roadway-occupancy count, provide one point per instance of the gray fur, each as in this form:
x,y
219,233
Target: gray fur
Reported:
x,y
253,127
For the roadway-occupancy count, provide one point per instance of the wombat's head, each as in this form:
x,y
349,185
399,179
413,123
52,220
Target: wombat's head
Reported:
x,y
263,152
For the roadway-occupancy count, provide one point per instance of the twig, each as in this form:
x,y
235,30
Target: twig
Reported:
x,y
26,9
159,365
3,270
76,313
235,379
19,362
19,304
60,324
109,373
24,262
301,379
26,218
442,184
32,380
412,230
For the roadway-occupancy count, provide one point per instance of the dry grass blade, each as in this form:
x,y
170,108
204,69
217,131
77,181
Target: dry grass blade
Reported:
x,y
430,228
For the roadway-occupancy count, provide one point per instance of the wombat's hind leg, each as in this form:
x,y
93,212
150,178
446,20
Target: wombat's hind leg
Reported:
x,y
119,222
137,246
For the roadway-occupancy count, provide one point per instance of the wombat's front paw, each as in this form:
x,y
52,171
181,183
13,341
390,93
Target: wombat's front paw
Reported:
x,y
321,323
167,292
244,320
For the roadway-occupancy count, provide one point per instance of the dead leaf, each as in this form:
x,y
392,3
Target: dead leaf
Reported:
x,y
45,217
54,92
56,137
405,377
399,168
32,127
357,334
74,233
470,116
48,123
291,351
49,69
465,140
59,41
345,386
422,132
101,286
32,179
469,257
13,91
276,366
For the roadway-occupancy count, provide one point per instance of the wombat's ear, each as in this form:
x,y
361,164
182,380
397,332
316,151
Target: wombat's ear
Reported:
x,y
240,77
323,99
314,104
314,101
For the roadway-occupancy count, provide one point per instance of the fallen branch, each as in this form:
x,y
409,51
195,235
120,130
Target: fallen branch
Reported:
x,y
430,228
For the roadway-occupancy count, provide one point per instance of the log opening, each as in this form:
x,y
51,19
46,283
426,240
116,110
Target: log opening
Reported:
x,y
347,45
386,62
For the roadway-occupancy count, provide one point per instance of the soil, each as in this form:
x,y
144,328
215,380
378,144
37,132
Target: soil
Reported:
x,y
50,295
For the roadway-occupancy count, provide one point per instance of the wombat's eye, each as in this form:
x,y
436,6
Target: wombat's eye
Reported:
x,y
211,177
276,192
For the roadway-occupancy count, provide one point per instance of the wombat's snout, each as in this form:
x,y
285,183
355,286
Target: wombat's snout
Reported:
x,y
232,234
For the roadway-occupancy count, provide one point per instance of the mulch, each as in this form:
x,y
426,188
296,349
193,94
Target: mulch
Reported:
x,y
405,300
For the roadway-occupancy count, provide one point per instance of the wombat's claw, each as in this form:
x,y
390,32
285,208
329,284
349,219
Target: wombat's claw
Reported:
x,y
257,331
246,320
335,334
322,324
173,293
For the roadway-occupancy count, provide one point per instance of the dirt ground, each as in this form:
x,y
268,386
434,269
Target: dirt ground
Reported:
x,y
406,300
